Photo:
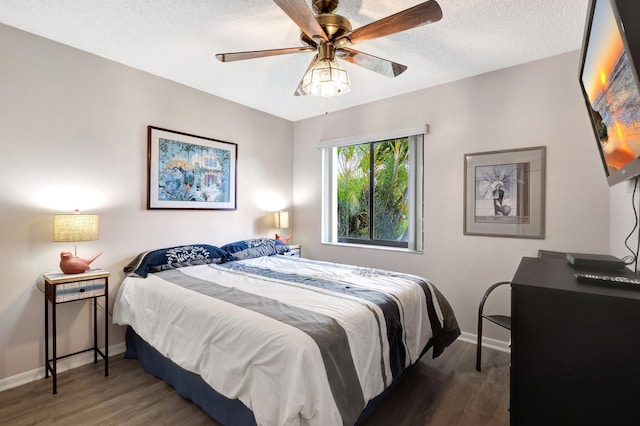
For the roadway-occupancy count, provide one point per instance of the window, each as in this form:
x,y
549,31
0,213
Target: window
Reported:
x,y
373,193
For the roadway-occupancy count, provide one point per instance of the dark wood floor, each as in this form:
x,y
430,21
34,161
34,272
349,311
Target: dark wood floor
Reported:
x,y
445,391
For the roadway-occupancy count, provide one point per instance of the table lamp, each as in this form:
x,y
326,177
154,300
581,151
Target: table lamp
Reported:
x,y
282,222
73,228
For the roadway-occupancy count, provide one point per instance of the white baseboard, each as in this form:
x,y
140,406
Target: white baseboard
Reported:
x,y
62,365
487,342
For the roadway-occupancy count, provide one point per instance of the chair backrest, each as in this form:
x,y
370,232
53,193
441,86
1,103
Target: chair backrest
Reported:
x,y
488,292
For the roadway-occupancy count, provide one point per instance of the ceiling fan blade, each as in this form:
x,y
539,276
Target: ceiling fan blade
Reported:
x,y
239,56
423,13
299,91
370,62
300,13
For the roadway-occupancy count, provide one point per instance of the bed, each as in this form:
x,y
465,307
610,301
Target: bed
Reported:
x,y
254,337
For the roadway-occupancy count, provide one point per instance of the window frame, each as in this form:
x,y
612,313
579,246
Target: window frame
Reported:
x,y
415,190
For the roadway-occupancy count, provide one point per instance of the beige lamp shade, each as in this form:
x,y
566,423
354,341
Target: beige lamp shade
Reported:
x,y
282,220
75,227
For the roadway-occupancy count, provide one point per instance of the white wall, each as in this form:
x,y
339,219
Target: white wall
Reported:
x,y
73,135
530,105
622,219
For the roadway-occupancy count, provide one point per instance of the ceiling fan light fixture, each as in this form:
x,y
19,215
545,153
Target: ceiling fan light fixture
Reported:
x,y
326,78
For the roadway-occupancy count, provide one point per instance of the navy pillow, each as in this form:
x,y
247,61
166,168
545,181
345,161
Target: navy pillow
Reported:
x,y
257,247
174,257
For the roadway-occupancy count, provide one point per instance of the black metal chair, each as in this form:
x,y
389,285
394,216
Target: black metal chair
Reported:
x,y
501,320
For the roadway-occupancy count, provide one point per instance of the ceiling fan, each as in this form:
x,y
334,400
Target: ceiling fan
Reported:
x,y
331,35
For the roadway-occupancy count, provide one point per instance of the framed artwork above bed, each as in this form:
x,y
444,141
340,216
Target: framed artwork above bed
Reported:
x,y
186,171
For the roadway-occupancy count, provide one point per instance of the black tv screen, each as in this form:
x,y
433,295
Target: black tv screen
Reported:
x,y
609,83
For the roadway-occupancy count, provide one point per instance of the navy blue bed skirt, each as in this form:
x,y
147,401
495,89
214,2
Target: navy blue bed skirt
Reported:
x,y
229,412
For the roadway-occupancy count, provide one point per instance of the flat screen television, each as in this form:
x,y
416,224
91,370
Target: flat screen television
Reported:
x,y
610,86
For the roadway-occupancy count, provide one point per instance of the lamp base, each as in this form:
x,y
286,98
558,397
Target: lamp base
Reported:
x,y
283,239
70,264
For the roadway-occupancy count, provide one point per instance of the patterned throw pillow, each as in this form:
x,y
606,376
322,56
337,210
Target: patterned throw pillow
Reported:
x,y
257,247
174,257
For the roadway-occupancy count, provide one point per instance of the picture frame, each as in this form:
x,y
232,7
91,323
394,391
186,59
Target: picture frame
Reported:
x,y
186,171
504,193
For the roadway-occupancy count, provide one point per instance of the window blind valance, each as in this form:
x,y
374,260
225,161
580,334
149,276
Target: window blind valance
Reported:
x,y
380,136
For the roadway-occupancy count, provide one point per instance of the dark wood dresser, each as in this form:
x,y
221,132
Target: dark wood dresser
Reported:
x,y
575,354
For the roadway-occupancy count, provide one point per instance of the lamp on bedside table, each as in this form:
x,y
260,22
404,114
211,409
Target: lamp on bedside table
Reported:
x,y
73,228
282,222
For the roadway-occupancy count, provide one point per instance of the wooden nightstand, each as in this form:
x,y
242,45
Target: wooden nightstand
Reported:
x,y
295,250
63,288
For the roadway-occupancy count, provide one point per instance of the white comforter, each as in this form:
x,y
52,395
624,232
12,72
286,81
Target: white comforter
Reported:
x,y
275,369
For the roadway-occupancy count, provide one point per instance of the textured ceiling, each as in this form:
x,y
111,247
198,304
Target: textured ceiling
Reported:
x,y
177,40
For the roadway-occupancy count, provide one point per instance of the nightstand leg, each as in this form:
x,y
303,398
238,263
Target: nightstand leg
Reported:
x,y
106,328
95,330
54,373
46,336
